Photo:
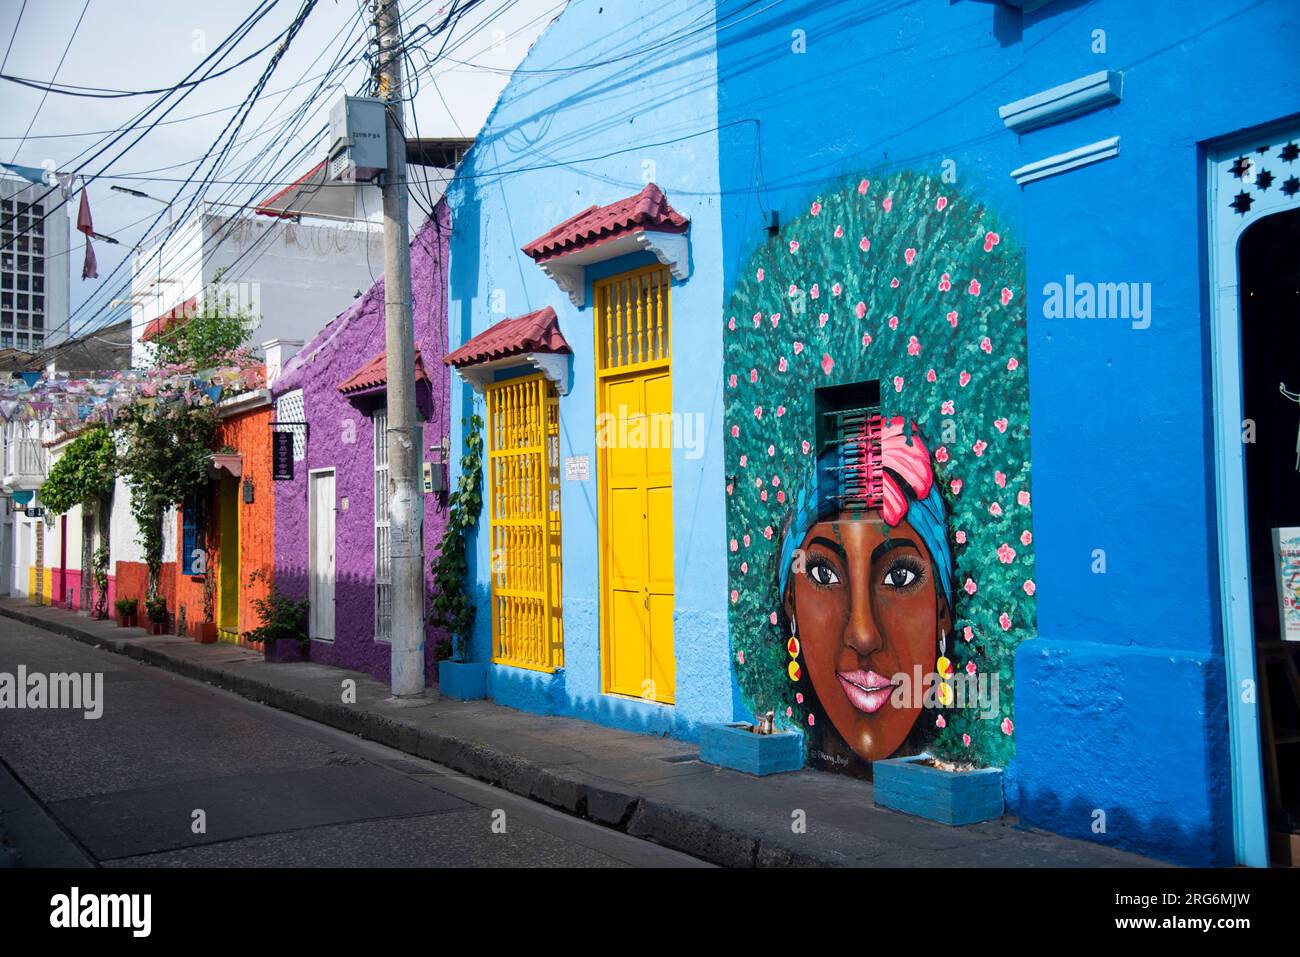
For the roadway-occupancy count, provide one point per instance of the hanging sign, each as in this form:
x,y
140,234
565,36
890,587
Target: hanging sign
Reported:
x,y
282,456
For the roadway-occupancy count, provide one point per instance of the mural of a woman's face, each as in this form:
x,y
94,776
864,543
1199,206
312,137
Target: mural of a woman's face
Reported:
x,y
865,609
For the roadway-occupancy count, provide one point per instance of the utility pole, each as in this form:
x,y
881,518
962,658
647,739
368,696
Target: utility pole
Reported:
x,y
405,501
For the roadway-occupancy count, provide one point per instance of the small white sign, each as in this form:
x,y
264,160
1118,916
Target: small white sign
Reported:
x,y
577,468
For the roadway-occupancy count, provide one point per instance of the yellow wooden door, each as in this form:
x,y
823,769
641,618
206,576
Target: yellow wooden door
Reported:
x,y
637,537
228,558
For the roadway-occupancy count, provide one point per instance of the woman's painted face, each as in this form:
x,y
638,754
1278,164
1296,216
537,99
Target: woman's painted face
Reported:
x,y
865,609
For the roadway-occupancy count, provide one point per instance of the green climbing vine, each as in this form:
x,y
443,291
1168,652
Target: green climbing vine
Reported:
x,y
84,472
165,452
451,603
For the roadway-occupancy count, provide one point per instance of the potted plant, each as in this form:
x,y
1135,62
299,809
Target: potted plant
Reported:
x,y
127,609
949,783
758,749
156,611
205,631
283,629
451,602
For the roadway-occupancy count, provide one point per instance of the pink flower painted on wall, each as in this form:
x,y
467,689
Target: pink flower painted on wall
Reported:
x,y
979,447
816,208
898,383
941,454
956,486
1030,587
1007,726
1022,497
941,203
827,364
913,346
964,379
995,510
887,203
945,283
1000,424
974,287
970,586
1005,621
1026,537
1006,295
909,254
1006,554
860,310
952,318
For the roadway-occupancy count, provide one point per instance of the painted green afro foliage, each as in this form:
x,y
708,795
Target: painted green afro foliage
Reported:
x,y
906,281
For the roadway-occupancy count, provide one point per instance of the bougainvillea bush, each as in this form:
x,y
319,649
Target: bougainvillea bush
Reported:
x,y
904,280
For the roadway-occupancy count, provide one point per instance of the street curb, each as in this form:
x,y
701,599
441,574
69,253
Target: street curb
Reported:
x,y
622,810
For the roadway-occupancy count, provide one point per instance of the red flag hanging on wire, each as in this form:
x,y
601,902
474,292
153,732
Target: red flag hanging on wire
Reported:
x,y
89,268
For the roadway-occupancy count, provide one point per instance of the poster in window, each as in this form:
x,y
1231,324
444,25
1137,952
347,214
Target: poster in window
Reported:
x,y
1286,566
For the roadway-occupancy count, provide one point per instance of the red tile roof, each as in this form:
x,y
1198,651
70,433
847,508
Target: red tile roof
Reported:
x,y
647,210
375,373
536,332
170,319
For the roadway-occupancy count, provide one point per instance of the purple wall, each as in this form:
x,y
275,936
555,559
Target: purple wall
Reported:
x,y
341,437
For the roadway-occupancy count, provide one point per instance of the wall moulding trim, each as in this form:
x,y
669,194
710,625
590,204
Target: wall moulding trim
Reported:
x,y
1064,162
569,272
1091,92
556,366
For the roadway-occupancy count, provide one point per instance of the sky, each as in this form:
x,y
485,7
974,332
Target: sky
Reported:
x,y
131,45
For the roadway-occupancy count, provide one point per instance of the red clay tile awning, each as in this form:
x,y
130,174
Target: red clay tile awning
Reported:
x,y
648,210
170,319
536,332
374,374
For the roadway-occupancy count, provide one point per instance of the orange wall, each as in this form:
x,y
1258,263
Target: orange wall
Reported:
x,y
250,435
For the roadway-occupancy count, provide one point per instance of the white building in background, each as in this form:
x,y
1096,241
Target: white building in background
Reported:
x,y
297,262
34,263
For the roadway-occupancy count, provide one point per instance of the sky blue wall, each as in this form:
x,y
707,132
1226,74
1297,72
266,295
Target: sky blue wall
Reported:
x,y
1120,701
557,142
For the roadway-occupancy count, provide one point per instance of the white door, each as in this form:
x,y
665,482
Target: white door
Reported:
x,y
321,555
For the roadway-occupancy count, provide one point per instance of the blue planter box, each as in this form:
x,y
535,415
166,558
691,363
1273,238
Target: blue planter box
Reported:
x,y
949,797
735,746
464,681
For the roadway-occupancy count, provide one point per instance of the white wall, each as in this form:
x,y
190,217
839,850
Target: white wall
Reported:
x,y
296,276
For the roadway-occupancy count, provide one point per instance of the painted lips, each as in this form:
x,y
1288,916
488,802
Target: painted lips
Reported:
x,y
866,690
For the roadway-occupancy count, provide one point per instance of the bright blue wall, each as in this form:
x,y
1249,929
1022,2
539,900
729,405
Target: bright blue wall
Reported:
x,y
570,139
1120,701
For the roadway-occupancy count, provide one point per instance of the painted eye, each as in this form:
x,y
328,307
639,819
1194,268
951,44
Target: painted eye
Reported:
x,y
823,575
900,576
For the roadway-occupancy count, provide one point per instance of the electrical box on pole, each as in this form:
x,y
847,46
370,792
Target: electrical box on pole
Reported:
x,y
358,139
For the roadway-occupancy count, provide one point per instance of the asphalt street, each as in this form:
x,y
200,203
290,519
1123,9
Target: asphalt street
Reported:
x,y
178,773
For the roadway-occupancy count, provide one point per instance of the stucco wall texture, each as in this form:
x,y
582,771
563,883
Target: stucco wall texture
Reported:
x,y
1121,698
605,131
341,437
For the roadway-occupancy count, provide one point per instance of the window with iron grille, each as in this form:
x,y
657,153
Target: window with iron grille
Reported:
x,y
383,565
848,446
523,496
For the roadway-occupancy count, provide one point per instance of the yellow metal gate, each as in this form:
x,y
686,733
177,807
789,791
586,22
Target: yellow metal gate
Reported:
x,y
523,489
635,438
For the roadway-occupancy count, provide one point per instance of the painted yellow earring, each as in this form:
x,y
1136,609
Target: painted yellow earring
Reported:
x,y
792,646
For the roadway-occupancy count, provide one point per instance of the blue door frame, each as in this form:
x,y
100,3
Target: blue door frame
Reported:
x,y
1226,225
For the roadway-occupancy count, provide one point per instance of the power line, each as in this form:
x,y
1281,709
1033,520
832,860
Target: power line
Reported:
x,y
14,36
45,95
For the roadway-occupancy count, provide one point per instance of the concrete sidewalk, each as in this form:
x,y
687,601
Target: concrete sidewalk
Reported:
x,y
652,788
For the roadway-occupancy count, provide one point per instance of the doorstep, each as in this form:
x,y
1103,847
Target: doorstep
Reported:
x,y
652,787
